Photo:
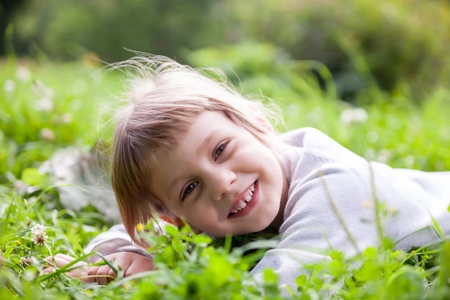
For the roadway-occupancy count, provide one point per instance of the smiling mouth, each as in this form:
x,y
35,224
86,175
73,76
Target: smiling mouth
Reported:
x,y
243,202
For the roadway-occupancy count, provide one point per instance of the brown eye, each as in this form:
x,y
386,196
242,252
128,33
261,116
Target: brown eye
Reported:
x,y
219,150
189,188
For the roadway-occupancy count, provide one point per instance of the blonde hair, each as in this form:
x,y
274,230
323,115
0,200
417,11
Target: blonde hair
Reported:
x,y
164,99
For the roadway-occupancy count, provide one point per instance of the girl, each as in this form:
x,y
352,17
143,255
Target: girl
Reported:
x,y
190,147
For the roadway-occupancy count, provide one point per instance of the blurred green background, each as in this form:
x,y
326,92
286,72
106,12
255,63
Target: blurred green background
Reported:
x,y
374,75
392,44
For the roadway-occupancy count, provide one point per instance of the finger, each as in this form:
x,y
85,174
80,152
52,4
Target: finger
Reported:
x,y
60,259
103,274
65,257
61,263
91,275
49,260
123,262
48,270
141,265
80,273
111,275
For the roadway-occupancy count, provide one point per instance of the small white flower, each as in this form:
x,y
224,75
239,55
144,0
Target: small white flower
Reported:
x,y
9,86
353,115
372,136
66,118
26,261
409,160
23,74
384,155
42,90
29,275
44,104
48,134
38,234
20,187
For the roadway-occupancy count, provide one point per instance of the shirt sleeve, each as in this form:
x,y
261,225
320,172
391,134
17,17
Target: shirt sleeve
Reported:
x,y
326,211
333,195
116,239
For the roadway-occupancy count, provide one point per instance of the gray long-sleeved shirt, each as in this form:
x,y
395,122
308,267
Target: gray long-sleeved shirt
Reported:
x,y
331,205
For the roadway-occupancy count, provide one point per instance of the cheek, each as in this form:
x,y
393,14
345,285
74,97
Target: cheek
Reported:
x,y
206,220
260,158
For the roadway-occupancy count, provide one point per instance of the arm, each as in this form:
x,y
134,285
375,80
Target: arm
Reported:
x,y
116,245
131,263
116,239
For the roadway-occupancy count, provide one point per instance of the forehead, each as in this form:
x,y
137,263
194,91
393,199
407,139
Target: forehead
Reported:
x,y
208,125
191,146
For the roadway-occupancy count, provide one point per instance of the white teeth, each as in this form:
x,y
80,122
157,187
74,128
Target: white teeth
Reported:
x,y
247,198
240,207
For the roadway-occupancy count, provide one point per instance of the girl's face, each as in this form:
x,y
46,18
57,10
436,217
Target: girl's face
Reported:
x,y
221,179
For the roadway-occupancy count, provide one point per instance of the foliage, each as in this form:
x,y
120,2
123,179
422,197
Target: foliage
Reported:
x,y
361,42
384,127
42,108
69,29
390,43
189,268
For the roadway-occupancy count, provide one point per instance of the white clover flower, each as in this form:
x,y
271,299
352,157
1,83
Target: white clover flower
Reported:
x,y
26,261
20,187
66,118
409,160
353,115
48,134
44,104
384,155
372,136
9,86
38,233
29,275
23,74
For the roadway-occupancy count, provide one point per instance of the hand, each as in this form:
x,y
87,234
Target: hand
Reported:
x,y
131,263
61,260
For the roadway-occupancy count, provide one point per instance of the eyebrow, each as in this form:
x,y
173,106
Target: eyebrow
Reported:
x,y
205,142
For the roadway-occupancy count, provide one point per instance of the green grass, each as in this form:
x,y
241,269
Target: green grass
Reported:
x,y
58,105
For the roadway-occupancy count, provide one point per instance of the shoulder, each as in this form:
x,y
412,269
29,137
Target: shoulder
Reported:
x,y
299,137
313,140
314,148
322,169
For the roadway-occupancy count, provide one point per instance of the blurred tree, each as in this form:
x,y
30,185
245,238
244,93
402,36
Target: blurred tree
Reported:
x,y
7,10
388,43
400,46
68,29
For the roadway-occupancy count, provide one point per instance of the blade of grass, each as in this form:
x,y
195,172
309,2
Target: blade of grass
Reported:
x,y
70,239
5,223
54,186
65,268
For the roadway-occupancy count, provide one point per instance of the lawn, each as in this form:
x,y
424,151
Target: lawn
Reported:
x,y
46,107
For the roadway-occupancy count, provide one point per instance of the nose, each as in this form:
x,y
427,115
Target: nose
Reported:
x,y
221,179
